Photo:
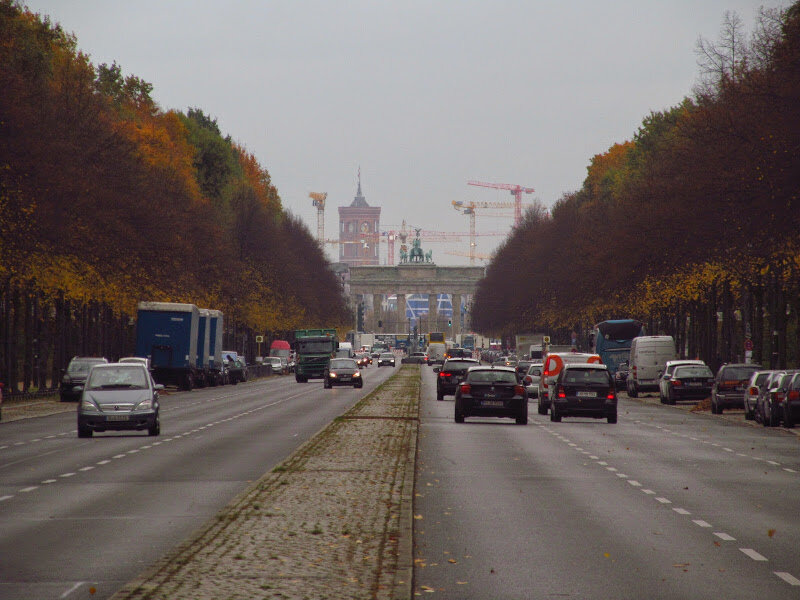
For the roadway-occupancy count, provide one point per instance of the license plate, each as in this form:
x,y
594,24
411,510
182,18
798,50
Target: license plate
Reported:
x,y
345,378
586,394
492,403
694,384
117,418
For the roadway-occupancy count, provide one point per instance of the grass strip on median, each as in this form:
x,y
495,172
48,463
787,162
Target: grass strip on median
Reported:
x,y
333,520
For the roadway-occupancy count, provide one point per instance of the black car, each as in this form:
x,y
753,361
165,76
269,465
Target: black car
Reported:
x,y
343,371
451,374
689,382
491,392
119,396
584,390
730,385
75,376
457,353
386,359
236,368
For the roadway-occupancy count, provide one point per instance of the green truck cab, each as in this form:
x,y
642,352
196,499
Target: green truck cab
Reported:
x,y
314,349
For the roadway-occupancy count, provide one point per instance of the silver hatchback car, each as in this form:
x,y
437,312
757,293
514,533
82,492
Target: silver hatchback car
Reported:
x,y
118,396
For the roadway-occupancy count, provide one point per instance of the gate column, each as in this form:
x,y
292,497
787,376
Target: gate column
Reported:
x,y
456,319
433,315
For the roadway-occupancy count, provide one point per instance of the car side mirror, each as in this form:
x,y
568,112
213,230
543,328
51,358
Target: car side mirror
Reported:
x,y
435,369
159,387
667,377
77,389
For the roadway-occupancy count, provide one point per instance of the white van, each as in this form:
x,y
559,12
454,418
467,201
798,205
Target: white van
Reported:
x,y
436,352
553,362
649,355
345,350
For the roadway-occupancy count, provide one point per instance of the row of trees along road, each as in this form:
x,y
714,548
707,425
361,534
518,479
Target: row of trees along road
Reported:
x,y
692,226
106,200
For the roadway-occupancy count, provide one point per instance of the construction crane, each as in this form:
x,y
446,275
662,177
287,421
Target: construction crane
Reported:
x,y
318,200
468,208
472,255
516,191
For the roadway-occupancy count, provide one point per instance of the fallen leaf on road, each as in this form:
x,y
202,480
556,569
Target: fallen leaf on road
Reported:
x,y
418,517
461,582
681,565
771,532
452,560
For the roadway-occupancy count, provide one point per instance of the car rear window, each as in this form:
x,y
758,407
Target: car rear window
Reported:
x,y
460,364
739,373
698,371
598,376
492,377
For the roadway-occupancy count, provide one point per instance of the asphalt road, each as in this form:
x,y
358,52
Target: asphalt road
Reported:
x,y
664,504
80,518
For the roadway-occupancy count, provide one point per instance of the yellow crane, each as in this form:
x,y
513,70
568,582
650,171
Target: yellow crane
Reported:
x,y
318,200
468,208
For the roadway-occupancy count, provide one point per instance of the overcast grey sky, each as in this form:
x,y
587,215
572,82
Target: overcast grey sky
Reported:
x,y
422,95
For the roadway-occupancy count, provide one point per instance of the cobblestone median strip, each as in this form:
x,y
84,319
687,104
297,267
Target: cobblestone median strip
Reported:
x,y
332,521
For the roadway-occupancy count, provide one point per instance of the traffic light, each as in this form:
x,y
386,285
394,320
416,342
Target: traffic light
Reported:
x,y
360,320
449,322
380,323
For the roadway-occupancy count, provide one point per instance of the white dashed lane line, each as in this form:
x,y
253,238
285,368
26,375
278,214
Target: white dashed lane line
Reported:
x,y
751,553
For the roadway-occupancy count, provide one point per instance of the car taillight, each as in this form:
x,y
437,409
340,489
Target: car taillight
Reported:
x,y
610,396
465,388
793,394
779,396
445,374
519,390
527,379
753,391
676,382
561,392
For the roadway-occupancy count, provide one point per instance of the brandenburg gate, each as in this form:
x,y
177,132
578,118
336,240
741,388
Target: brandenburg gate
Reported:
x,y
416,278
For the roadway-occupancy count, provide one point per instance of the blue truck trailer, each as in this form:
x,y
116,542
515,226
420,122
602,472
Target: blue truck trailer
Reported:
x,y
167,334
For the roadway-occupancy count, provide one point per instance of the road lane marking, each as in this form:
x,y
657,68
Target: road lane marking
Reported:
x,y
789,470
790,579
753,554
664,501
772,462
5,498
103,462
728,449
29,489
66,474
701,523
89,468
46,481
681,511
594,457
118,456
634,483
724,536
602,462
622,475
650,492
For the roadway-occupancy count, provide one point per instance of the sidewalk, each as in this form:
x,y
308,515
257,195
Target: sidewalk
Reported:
x,y
333,521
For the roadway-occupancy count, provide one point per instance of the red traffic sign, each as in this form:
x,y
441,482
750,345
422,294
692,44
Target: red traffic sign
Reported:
x,y
748,345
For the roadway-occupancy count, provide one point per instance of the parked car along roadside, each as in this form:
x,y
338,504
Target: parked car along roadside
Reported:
x,y
689,382
75,376
729,386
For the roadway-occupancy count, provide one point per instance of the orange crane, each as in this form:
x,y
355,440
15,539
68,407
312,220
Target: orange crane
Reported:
x,y
516,191
318,200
